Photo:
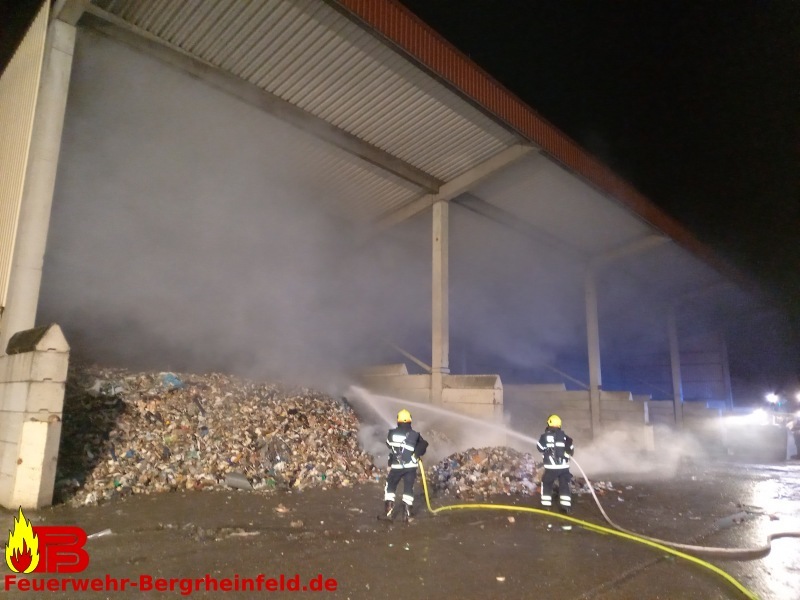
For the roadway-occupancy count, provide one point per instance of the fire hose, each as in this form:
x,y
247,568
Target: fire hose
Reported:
x,y
711,551
664,546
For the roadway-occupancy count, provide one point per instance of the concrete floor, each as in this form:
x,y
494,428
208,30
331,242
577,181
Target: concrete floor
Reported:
x,y
461,554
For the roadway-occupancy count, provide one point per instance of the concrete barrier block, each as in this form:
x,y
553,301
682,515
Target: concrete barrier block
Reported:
x,y
398,382
621,416
382,370
471,396
14,396
49,366
36,468
16,367
11,426
618,396
35,366
9,453
46,396
49,337
7,490
473,381
44,416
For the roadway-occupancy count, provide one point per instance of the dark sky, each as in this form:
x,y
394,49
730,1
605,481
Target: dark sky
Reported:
x,y
15,17
695,103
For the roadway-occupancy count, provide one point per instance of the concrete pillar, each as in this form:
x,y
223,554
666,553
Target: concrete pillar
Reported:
x,y
32,380
440,317
675,362
593,343
34,218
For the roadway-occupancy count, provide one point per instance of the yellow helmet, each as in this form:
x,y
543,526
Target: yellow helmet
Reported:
x,y
554,421
404,416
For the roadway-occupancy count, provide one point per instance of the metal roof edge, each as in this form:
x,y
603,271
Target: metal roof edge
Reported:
x,y
423,44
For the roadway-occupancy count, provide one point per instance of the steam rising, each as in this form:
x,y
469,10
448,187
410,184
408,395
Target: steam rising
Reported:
x,y
613,452
191,231
187,229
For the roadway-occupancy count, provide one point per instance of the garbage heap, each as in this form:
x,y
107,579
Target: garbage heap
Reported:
x,y
483,472
139,433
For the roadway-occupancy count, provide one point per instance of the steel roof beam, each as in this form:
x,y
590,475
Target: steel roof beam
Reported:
x,y
521,226
454,187
120,30
69,11
628,249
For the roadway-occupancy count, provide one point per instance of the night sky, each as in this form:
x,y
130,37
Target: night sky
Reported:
x,y
695,103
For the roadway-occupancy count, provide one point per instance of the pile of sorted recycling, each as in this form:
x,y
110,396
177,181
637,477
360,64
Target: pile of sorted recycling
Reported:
x,y
139,433
483,472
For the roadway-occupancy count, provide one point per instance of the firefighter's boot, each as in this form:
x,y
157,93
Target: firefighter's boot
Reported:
x,y
388,508
406,514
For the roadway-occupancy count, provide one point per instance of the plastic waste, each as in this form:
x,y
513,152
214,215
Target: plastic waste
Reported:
x,y
171,381
102,533
238,481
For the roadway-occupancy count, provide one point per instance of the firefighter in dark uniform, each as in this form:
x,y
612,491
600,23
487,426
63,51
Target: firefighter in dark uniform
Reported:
x,y
406,447
557,448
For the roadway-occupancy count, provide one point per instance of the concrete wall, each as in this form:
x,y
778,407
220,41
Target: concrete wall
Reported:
x,y
32,382
416,388
642,423
476,396
705,425
528,406
704,369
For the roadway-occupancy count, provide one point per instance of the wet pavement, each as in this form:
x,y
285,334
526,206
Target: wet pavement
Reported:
x,y
334,533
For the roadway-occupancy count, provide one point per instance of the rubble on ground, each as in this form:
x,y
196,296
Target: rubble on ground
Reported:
x,y
482,472
139,433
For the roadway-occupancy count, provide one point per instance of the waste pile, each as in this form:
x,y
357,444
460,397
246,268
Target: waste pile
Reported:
x,y
483,472
139,433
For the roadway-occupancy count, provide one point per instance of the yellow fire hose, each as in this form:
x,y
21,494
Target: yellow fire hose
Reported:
x,y
586,525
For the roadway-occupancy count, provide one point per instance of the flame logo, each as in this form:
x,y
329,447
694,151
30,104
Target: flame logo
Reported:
x,y
22,549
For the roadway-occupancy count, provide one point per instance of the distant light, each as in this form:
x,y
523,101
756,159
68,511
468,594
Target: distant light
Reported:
x,y
772,398
759,416
797,396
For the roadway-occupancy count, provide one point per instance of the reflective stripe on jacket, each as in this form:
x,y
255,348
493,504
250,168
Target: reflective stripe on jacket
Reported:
x,y
402,442
557,448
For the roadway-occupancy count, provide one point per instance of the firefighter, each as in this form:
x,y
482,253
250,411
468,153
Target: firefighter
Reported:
x,y
406,446
557,448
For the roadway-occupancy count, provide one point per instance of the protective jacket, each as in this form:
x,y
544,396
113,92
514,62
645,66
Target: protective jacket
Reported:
x,y
557,448
406,447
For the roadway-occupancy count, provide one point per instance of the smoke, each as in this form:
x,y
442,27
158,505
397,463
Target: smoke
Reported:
x,y
193,230
620,450
447,431
624,451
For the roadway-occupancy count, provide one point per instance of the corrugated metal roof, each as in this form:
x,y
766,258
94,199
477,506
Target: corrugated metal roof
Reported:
x,y
355,189
371,69
307,53
407,32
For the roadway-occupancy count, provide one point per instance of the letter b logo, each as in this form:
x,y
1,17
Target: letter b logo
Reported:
x,y
61,549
